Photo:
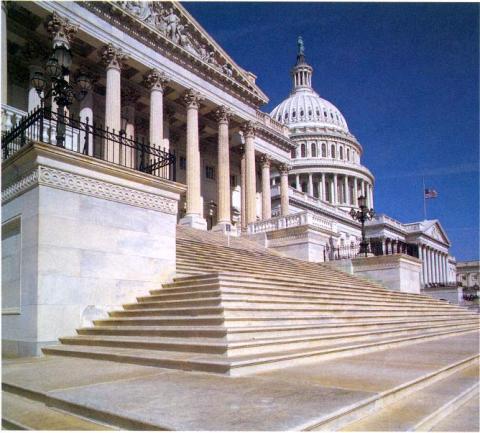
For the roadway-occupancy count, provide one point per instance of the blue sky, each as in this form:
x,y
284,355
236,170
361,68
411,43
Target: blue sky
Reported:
x,y
405,76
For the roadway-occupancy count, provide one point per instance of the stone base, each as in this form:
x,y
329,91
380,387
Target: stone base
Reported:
x,y
194,221
397,272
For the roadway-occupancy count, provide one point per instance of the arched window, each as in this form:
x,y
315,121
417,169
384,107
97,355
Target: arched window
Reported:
x,y
332,151
279,117
314,150
318,112
324,150
293,113
348,154
286,116
294,153
301,113
341,153
303,150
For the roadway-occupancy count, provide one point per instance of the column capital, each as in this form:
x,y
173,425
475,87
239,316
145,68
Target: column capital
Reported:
x,y
192,98
60,28
223,114
155,80
112,57
265,160
248,129
283,168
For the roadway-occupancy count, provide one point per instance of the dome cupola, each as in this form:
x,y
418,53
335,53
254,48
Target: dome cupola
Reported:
x,y
302,71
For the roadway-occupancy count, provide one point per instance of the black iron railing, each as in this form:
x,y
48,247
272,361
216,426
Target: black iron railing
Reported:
x,y
70,133
375,247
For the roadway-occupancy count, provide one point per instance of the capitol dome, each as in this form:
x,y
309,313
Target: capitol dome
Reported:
x,y
304,107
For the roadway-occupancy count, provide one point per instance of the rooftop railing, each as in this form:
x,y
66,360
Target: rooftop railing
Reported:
x,y
94,140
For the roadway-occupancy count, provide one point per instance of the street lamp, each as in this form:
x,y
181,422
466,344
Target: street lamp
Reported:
x,y
362,215
63,92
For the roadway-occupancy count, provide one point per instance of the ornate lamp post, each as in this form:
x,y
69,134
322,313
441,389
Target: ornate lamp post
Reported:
x,y
63,92
362,215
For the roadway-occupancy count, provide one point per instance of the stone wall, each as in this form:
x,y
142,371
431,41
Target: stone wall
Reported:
x,y
92,238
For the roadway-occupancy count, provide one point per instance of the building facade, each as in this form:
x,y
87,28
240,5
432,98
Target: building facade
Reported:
x,y
468,274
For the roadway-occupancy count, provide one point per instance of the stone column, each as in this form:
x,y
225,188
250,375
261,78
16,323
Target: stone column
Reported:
x,y
284,202
324,188
335,189
430,265
243,187
446,267
297,183
86,116
371,196
4,51
156,81
265,161
250,173
113,58
310,184
345,186
420,256
355,191
129,98
222,115
194,216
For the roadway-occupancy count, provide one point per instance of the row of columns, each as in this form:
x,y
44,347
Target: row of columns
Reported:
x,y
434,265
346,196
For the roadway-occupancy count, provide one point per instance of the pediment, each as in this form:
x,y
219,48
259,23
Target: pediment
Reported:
x,y
171,21
436,232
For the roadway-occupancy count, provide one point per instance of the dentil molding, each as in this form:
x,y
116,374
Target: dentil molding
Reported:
x,y
84,185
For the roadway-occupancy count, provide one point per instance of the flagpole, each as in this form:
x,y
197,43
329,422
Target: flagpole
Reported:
x,y
424,201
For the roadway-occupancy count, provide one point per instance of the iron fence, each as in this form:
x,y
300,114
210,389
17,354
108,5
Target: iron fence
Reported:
x,y
375,247
93,140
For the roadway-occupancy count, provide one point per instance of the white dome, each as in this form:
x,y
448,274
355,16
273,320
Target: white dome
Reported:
x,y
305,108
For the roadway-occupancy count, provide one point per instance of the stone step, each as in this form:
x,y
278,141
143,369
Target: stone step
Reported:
x,y
20,413
250,346
163,321
421,410
242,333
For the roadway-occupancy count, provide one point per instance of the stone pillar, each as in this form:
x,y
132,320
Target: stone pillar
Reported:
x,y
86,116
128,156
113,58
266,191
345,186
297,183
4,51
324,188
371,196
355,191
446,267
420,256
430,266
223,183
194,216
243,215
310,184
335,189
284,202
250,173
156,81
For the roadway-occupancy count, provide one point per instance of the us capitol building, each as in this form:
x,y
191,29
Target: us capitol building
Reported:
x,y
162,126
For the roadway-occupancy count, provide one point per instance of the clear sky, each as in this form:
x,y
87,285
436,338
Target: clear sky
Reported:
x,y
406,78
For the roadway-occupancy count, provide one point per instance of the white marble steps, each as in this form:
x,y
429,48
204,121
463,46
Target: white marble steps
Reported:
x,y
241,364
425,408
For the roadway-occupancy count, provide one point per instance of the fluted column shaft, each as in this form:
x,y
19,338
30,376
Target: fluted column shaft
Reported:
x,y
156,81
355,191
86,116
310,184
297,182
192,101
250,173
243,185
345,187
335,189
284,202
223,155
324,188
266,190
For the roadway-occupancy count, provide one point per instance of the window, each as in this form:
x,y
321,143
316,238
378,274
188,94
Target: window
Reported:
x,y
293,113
294,153
309,112
332,151
331,115
286,116
348,154
301,113
341,153
210,172
183,163
325,114
318,112
314,150
303,150
324,150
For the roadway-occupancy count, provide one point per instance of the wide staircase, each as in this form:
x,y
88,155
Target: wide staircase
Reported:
x,y
236,307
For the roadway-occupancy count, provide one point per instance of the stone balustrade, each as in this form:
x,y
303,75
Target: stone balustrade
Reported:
x,y
11,116
292,220
269,122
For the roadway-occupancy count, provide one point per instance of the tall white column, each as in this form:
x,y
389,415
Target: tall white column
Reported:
x,y
250,172
284,190
265,161
156,82
4,51
113,58
355,191
324,188
420,256
194,216
243,185
428,265
222,115
345,187
310,184
335,189
297,182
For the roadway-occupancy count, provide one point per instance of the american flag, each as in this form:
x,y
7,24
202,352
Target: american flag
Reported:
x,y
430,193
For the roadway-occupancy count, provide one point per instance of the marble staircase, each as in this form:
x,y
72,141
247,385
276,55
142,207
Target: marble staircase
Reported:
x,y
236,308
